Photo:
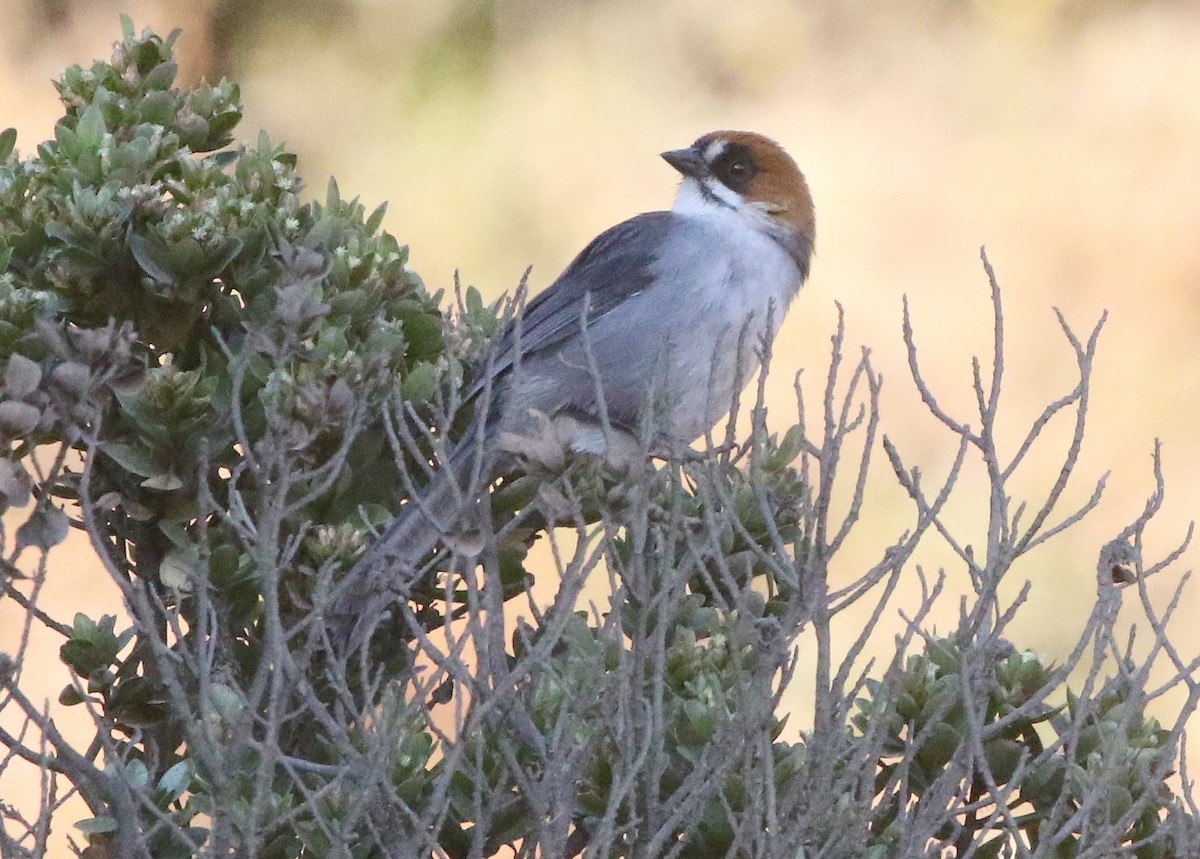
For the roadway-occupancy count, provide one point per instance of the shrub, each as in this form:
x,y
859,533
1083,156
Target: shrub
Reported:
x,y
229,389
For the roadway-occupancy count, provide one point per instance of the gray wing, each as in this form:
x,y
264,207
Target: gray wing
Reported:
x,y
611,269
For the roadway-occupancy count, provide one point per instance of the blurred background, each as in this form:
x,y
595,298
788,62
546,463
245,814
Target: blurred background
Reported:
x,y
1062,134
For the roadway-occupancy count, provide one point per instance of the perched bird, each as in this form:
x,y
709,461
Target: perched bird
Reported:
x,y
668,308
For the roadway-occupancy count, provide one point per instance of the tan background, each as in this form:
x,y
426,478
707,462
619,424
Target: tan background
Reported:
x,y
1063,135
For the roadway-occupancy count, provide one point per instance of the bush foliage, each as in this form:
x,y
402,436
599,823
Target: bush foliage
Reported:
x,y
229,389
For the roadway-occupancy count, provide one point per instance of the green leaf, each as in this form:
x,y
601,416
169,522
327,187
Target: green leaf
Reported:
x,y
420,383
133,458
373,222
138,702
56,230
216,259
161,76
163,481
424,333
474,301
700,723
1003,756
127,30
224,159
158,107
220,125
8,139
22,376
67,140
92,646
18,419
936,752
70,696
91,128
135,773
177,570
789,448
45,528
176,780
354,303
153,257
223,565
97,825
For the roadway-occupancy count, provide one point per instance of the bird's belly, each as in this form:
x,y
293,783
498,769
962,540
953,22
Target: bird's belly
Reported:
x,y
706,370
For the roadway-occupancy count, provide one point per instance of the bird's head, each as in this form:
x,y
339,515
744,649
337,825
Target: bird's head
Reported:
x,y
753,176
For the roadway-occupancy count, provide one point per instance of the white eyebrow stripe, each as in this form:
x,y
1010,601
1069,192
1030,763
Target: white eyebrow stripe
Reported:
x,y
713,151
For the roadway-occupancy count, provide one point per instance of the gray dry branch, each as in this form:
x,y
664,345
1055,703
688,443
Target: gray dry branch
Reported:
x,y
647,725
232,418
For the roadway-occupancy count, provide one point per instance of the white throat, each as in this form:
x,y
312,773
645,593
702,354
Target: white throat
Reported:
x,y
695,199
713,199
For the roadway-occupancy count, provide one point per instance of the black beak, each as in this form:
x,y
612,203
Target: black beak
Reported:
x,y
689,162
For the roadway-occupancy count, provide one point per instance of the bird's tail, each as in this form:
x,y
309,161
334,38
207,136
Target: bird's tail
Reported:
x,y
390,565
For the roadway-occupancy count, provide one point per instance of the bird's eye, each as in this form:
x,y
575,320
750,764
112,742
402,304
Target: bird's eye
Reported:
x,y
735,166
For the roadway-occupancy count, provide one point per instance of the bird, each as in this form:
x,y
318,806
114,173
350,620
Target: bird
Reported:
x,y
667,309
